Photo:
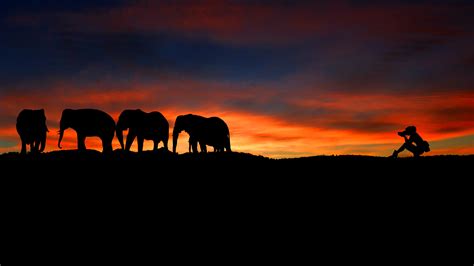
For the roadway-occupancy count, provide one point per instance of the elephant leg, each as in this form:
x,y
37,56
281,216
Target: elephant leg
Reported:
x,y
23,147
35,146
107,148
32,147
130,139
81,142
165,143
191,142
140,144
107,145
194,146
203,147
155,144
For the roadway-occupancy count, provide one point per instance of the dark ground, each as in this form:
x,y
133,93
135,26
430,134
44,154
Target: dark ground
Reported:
x,y
161,164
157,174
161,201
167,178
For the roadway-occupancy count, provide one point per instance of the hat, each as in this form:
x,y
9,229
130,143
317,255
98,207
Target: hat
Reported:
x,y
410,129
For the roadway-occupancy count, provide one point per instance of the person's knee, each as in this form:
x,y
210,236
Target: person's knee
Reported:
x,y
410,147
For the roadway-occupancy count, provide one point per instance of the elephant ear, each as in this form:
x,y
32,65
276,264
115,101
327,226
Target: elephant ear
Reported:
x,y
43,114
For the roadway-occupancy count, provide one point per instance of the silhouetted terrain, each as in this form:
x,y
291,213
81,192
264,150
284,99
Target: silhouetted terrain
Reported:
x,y
77,193
228,164
127,156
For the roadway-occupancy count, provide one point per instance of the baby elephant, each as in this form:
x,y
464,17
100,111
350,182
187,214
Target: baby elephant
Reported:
x,y
31,126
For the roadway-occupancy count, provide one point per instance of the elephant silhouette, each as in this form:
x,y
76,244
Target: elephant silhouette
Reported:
x,y
143,126
31,126
88,123
203,148
211,131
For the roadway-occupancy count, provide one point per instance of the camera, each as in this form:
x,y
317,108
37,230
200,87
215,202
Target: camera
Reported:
x,y
402,133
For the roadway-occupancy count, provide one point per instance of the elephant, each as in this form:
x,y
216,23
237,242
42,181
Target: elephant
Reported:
x,y
31,126
211,131
191,141
88,123
142,125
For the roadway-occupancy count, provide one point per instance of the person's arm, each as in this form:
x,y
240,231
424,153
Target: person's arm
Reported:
x,y
409,140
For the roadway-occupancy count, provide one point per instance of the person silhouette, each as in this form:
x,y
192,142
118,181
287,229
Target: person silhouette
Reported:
x,y
414,143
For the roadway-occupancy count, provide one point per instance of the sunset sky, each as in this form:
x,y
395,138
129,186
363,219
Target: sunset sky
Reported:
x,y
290,78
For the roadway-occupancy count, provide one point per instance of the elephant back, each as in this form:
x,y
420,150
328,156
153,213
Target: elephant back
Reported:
x,y
158,119
95,118
219,125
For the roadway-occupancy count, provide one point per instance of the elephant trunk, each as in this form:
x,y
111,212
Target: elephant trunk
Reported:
x,y
61,133
120,136
42,142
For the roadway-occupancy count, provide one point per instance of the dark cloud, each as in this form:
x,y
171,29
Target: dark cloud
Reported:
x,y
411,49
450,129
123,56
271,137
453,112
7,119
386,45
